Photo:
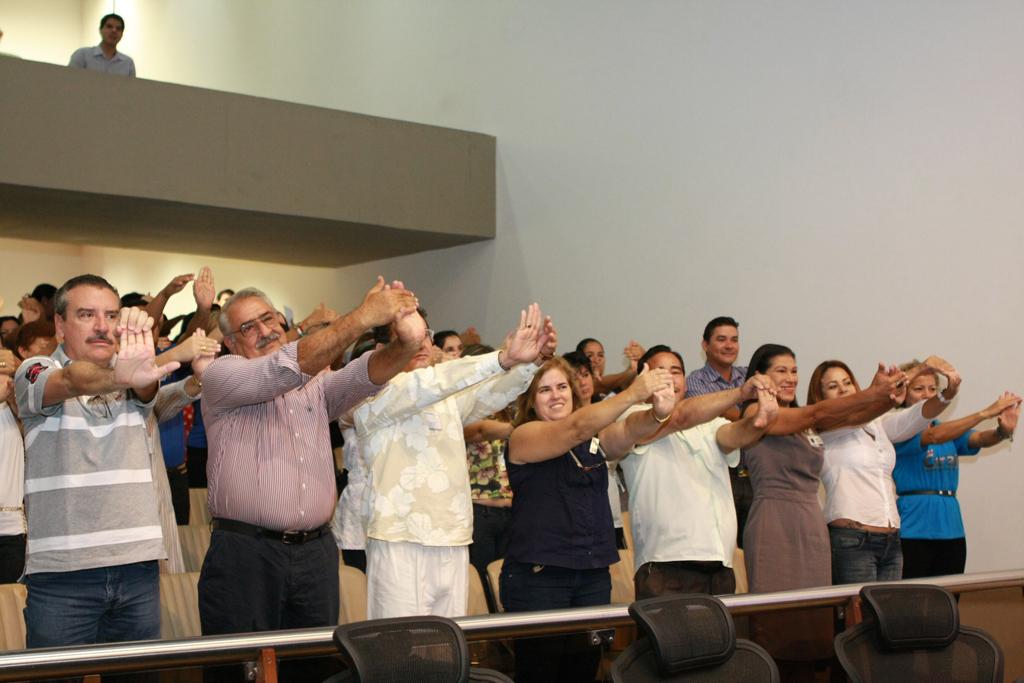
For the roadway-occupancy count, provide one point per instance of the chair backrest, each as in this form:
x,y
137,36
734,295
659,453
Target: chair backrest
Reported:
x,y
199,507
195,541
477,598
912,632
494,581
351,594
179,605
690,638
422,649
12,616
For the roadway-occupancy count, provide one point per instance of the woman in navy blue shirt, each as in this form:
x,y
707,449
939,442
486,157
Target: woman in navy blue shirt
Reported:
x,y
562,539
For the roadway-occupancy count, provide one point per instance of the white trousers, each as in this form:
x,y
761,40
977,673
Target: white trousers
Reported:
x,y
409,579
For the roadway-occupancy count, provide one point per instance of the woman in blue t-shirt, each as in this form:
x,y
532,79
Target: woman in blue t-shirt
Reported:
x,y
927,473
562,538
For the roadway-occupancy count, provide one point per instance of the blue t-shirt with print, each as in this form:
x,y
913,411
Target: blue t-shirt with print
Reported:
x,y
930,468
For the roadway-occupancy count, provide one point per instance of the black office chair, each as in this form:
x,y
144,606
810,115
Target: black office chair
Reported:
x,y
420,649
690,638
912,632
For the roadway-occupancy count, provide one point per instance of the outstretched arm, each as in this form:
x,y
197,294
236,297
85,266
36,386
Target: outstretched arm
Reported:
x,y
619,438
382,305
1007,424
135,366
542,440
749,430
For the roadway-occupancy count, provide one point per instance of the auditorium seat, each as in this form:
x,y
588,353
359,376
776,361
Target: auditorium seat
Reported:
x,y
199,507
477,599
628,530
195,541
12,618
179,605
494,580
352,595
623,589
690,638
912,632
739,568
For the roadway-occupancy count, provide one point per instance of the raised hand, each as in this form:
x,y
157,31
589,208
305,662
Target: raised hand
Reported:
x,y
383,303
470,336
754,385
1008,418
1006,400
320,317
633,352
767,405
664,400
134,320
524,344
203,289
649,381
410,327
8,363
890,380
176,284
31,309
205,354
135,363
196,347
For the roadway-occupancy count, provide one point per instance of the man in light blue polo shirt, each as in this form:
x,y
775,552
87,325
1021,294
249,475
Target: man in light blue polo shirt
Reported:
x,y
105,57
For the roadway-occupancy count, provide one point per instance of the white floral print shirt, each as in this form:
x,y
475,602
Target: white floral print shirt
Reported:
x,y
410,435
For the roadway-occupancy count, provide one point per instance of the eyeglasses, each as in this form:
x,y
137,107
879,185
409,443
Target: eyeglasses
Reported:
x,y
430,334
586,468
248,328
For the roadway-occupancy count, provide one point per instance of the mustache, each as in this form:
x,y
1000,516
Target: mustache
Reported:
x,y
270,338
100,337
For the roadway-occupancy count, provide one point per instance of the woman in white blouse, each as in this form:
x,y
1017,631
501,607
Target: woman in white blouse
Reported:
x,y
860,504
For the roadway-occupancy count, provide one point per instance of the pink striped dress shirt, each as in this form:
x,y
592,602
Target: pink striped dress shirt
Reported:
x,y
270,461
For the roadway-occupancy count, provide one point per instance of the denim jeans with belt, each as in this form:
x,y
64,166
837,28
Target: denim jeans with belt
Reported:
x,y
103,605
865,556
559,659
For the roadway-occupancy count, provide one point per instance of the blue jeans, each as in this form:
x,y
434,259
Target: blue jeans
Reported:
x,y
103,605
558,659
865,556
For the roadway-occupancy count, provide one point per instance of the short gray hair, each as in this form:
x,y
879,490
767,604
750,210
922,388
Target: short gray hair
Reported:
x,y
223,321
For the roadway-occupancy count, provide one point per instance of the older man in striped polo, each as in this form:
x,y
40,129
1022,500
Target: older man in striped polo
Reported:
x,y
272,562
93,527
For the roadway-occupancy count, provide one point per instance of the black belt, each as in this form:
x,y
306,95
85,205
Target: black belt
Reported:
x,y
922,492
290,537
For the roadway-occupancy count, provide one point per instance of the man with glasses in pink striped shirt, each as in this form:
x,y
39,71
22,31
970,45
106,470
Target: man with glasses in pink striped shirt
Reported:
x,y
272,562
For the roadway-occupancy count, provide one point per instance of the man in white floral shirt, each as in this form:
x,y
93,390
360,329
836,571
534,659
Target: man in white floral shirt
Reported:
x,y
419,514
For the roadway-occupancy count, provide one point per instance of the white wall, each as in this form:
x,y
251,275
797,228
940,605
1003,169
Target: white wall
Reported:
x,y
842,177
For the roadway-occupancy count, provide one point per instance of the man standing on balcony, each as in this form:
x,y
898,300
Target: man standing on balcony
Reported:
x,y
105,57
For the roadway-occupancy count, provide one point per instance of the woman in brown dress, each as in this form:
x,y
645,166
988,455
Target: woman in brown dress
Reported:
x,y
786,543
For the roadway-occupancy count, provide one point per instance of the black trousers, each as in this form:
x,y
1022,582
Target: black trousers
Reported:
x,y
258,584
12,558
177,477
929,557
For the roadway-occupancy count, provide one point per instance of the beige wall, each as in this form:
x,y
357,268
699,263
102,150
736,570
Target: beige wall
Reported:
x,y
26,264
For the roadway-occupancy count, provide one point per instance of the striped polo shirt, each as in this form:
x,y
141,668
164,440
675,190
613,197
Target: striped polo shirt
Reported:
x,y
89,493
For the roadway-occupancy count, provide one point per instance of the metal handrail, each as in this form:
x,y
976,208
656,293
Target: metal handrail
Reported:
x,y
110,658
